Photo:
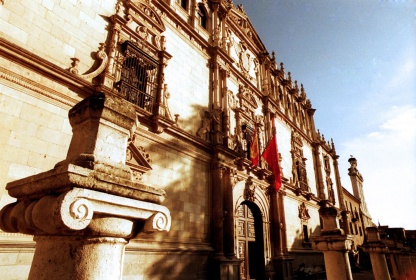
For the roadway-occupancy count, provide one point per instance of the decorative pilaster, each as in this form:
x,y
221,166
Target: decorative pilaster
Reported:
x,y
282,260
334,244
229,242
84,211
218,208
377,251
226,265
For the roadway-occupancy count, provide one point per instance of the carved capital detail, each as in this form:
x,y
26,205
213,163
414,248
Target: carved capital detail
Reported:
x,y
76,210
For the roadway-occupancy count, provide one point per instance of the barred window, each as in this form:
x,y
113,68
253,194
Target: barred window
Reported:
x,y
138,81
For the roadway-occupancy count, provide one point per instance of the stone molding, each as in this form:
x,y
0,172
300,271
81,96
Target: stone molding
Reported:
x,y
13,52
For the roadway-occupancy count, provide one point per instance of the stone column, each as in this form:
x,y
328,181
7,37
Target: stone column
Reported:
x,y
377,251
83,212
395,265
334,244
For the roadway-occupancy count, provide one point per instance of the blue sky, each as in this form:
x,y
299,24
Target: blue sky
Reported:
x,y
356,60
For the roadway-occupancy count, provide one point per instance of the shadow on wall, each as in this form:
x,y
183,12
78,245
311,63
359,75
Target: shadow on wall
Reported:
x,y
183,252
307,264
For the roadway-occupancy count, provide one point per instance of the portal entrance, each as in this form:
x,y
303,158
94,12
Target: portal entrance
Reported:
x,y
250,241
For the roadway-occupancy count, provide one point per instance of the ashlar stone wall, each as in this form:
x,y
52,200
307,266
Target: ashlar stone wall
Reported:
x,y
35,135
57,30
187,76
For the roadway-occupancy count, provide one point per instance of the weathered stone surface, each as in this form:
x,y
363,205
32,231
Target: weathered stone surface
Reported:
x,y
84,210
334,244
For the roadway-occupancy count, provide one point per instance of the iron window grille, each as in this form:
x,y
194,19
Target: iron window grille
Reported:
x,y
138,80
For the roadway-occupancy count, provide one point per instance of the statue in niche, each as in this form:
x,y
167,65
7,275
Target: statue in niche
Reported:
x,y
205,126
303,212
237,142
244,61
250,190
165,97
331,194
232,102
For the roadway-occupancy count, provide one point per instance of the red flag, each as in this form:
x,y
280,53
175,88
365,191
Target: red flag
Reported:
x,y
254,149
271,156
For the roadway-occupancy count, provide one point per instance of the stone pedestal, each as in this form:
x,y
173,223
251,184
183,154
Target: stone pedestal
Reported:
x,y
84,211
229,269
283,267
377,251
334,244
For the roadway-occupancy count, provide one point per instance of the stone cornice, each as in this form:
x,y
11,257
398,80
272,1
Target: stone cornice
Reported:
x,y
12,79
178,246
192,144
39,65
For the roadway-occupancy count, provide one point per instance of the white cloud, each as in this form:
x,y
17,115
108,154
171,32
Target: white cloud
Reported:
x,y
387,161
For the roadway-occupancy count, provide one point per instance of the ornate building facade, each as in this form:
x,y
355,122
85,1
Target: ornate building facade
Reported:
x,y
203,87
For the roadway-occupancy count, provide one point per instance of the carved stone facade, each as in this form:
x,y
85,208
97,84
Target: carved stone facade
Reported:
x,y
202,85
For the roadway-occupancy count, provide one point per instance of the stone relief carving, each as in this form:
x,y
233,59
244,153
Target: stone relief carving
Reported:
x,y
250,190
232,102
244,58
142,31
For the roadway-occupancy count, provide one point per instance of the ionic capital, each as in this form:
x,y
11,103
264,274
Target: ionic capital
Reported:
x,y
83,209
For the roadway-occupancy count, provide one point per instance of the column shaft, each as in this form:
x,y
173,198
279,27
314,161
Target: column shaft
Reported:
x,y
68,258
337,265
379,264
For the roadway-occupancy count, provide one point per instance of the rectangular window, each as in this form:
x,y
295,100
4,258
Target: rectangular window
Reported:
x,y
138,81
182,3
305,233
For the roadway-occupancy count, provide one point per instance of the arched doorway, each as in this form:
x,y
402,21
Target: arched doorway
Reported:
x,y
250,241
